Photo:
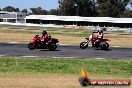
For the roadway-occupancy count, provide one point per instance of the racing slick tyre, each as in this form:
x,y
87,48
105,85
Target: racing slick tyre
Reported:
x,y
31,46
83,45
84,81
52,47
104,46
97,44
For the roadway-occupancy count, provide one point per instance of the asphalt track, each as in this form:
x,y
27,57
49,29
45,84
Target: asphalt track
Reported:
x,y
66,51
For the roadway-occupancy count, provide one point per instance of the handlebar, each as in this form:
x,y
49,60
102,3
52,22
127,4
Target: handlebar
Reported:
x,y
87,38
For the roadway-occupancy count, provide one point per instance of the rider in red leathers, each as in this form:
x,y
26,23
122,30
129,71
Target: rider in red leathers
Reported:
x,y
45,37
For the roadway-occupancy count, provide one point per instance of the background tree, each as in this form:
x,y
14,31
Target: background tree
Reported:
x,y
11,9
24,11
53,12
111,8
127,13
130,3
38,11
67,7
16,10
77,7
86,8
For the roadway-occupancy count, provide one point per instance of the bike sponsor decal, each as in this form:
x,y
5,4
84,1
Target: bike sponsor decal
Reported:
x,y
85,81
110,82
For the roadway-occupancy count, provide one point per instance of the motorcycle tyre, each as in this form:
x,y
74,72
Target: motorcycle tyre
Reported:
x,y
31,46
82,45
104,46
52,47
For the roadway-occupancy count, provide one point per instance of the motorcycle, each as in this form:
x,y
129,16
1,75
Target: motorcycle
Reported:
x,y
97,43
38,43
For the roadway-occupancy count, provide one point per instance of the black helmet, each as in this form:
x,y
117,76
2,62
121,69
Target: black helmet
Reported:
x,y
44,32
36,36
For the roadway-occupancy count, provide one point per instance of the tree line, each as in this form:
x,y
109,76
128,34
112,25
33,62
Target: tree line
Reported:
x,y
86,8
35,11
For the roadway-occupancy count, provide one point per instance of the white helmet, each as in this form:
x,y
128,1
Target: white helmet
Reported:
x,y
99,30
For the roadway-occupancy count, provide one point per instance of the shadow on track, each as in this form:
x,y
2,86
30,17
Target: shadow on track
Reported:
x,y
49,50
103,50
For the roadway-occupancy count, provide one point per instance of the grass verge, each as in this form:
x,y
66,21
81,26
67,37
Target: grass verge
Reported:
x,y
16,72
65,66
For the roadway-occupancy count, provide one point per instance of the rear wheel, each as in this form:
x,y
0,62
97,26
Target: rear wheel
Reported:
x,y
31,46
97,44
52,47
104,46
83,45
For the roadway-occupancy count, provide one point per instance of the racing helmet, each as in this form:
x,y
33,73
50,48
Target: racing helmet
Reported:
x,y
44,32
36,36
100,30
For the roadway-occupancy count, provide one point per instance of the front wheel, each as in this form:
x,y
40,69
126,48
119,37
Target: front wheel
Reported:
x,y
52,47
31,46
83,45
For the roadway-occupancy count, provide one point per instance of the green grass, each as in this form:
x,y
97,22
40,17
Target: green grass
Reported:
x,y
69,32
65,66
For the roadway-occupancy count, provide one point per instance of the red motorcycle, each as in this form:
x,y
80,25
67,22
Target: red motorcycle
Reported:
x,y
38,43
97,43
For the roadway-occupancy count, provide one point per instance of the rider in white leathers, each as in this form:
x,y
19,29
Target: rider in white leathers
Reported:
x,y
99,36
99,32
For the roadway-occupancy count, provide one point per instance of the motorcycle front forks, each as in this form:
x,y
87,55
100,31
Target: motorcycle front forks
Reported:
x,y
86,43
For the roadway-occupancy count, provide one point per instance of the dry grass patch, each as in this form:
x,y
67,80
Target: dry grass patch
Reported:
x,y
64,39
15,38
27,35
18,35
38,81
123,41
48,81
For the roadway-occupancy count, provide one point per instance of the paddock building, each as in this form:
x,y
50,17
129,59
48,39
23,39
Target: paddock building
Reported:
x,y
19,17
13,17
80,21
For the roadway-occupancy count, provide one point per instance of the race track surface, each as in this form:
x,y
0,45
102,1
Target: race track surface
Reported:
x,y
8,49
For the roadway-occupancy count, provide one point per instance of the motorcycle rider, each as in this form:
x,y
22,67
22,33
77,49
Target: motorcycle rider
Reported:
x,y
99,36
99,32
45,37
92,39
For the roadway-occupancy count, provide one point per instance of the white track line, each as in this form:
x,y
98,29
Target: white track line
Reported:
x,y
116,46
63,57
28,56
13,42
2,55
63,44
99,58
